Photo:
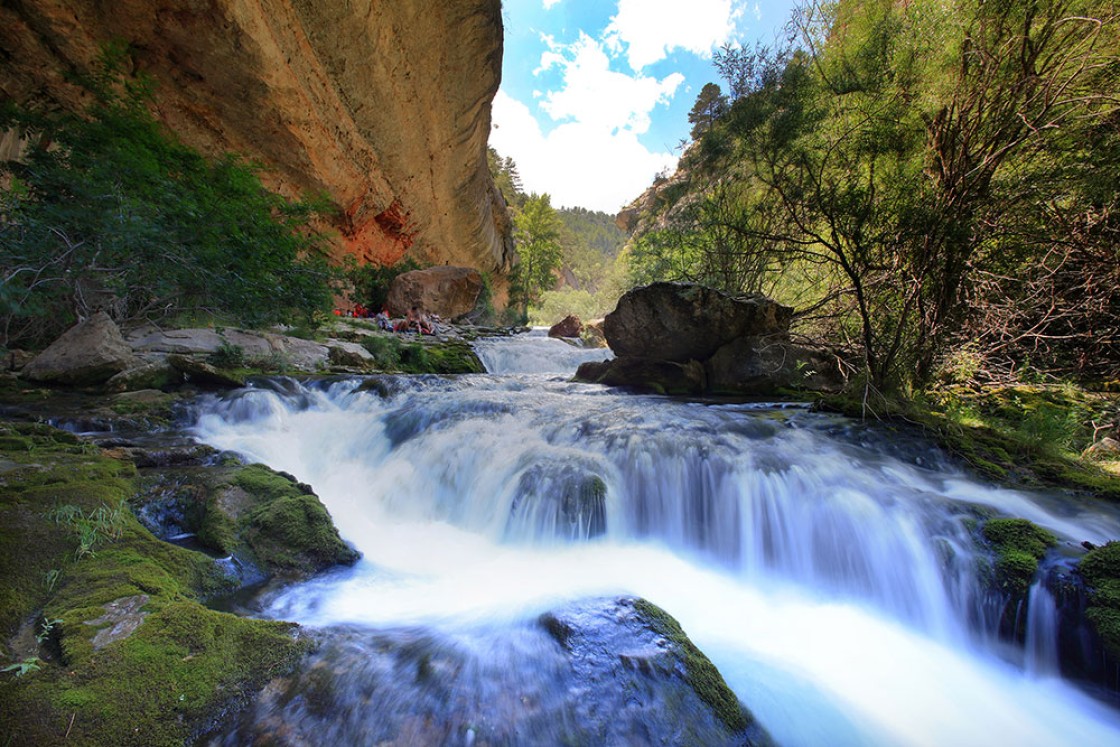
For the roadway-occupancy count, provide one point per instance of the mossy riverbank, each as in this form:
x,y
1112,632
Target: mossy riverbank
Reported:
x,y
104,626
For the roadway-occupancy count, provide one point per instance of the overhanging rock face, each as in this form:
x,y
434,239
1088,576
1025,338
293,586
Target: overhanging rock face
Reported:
x,y
383,106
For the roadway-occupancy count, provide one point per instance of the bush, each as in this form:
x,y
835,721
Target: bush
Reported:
x,y
118,214
371,283
386,351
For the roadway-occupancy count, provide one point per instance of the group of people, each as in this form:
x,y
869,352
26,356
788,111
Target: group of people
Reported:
x,y
415,321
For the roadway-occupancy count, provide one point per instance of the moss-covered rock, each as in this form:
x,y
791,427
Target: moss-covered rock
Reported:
x,y
702,674
265,518
1018,545
127,654
1101,570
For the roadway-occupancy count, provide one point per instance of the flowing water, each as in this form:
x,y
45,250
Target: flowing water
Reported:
x,y
828,568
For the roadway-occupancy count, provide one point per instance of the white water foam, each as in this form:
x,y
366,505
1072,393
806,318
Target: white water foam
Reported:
x,y
831,584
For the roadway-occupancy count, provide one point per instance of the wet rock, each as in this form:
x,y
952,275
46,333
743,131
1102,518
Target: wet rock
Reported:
x,y
681,322
758,365
607,671
88,353
645,375
262,518
449,292
559,500
569,326
204,375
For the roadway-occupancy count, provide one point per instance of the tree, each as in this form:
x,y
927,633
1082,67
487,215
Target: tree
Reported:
x,y
110,211
537,230
710,105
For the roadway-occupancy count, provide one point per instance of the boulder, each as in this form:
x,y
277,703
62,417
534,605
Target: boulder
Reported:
x,y
759,365
349,354
204,375
593,336
88,353
1106,448
197,341
150,375
569,326
646,375
593,672
682,321
450,292
15,360
306,355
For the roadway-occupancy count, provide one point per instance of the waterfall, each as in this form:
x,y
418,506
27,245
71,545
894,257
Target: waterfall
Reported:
x,y
1042,632
535,353
829,569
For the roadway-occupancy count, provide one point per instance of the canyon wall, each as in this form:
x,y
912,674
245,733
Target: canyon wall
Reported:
x,y
383,105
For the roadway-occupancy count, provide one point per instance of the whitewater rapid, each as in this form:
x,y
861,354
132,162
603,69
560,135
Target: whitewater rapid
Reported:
x,y
828,570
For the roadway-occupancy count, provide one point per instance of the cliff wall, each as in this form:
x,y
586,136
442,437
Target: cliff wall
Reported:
x,y
384,105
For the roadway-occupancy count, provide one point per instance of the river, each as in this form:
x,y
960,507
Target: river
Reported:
x,y
827,567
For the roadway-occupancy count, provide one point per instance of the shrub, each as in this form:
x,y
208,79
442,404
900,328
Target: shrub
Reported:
x,y
118,214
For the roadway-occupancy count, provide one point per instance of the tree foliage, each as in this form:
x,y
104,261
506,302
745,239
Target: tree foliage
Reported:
x,y
109,210
931,172
537,232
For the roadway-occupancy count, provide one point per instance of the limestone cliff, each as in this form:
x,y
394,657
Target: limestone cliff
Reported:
x,y
384,105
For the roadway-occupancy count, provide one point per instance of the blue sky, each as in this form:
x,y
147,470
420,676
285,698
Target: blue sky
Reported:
x,y
596,93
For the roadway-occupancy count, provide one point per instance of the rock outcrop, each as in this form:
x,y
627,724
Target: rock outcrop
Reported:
x,y
88,353
682,338
569,326
384,107
450,292
683,321
596,672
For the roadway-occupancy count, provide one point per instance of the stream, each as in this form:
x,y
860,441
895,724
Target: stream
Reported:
x,y
828,568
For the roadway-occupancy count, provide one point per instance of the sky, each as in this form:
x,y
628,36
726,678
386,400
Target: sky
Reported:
x,y
595,94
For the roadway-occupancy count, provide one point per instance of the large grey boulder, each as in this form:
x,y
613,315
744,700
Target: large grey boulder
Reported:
x,y
88,353
759,365
450,292
197,341
645,375
683,321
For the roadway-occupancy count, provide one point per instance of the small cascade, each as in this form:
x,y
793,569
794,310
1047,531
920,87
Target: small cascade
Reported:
x,y
535,353
1041,646
824,567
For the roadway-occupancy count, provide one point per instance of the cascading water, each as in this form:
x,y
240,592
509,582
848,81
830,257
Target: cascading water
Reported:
x,y
828,570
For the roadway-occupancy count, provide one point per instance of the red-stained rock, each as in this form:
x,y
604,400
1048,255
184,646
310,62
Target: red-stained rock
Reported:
x,y
569,326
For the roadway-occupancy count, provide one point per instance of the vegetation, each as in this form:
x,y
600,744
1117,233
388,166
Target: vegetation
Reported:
x,y
1101,570
108,210
75,681
1019,545
537,233
701,673
916,177
371,283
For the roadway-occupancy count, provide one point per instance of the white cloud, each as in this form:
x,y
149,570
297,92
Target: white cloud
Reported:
x,y
549,3
577,163
593,157
595,96
650,29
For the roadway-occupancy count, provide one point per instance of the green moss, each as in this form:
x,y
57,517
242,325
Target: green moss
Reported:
x,y
1101,570
702,674
179,668
287,528
1019,545
1030,435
